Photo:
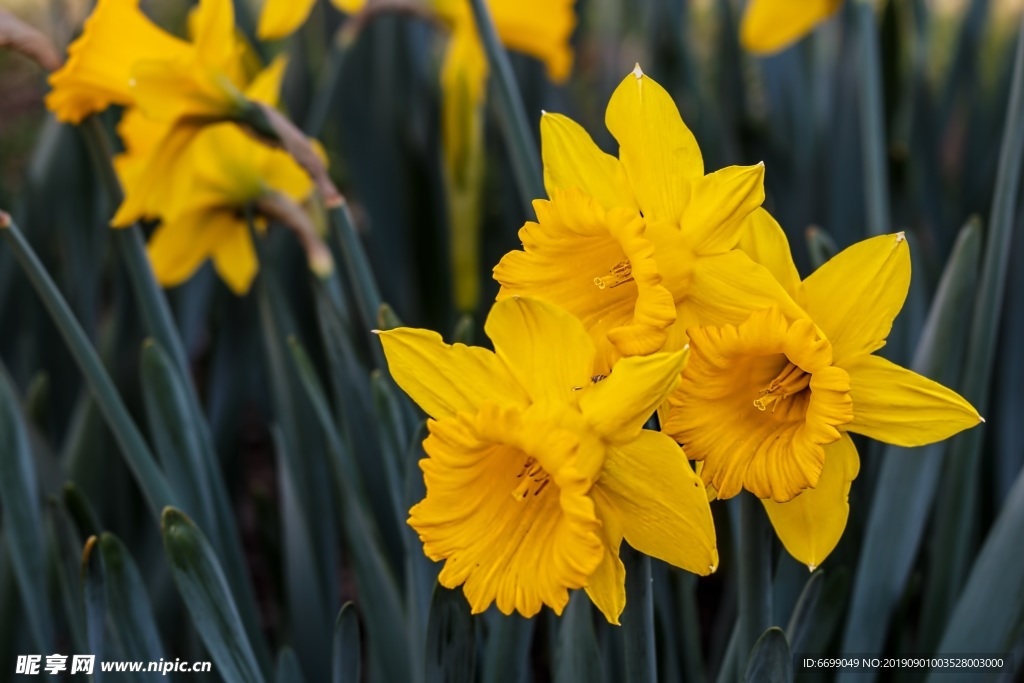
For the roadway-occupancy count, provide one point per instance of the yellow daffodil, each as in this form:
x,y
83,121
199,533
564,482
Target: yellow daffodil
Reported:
x,y
537,470
767,405
631,245
226,171
772,25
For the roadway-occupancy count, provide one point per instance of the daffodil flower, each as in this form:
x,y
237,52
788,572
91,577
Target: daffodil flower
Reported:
x,y
772,25
641,246
767,405
537,469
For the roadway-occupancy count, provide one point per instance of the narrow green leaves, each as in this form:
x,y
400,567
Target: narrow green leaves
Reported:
x,y
22,517
770,661
204,589
346,660
131,616
451,642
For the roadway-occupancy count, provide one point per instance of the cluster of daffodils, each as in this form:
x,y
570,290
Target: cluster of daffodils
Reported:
x,y
648,287
186,163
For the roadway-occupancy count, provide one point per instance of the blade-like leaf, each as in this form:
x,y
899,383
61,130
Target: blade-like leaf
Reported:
x,y
347,659
94,602
204,589
770,661
451,641
22,518
577,658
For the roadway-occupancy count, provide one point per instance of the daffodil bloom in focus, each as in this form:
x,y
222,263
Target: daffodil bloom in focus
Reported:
x,y
641,246
773,25
537,469
227,172
767,405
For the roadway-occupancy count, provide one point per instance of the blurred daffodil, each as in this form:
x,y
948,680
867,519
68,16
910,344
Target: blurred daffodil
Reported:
x,y
226,172
641,246
281,18
537,470
773,25
767,405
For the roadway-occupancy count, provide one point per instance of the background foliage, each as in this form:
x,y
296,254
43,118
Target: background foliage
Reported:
x,y
294,456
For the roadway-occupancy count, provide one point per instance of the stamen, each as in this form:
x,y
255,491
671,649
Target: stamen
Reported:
x,y
535,474
790,380
621,273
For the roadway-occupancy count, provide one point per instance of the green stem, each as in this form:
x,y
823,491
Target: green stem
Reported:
x,y
521,143
638,618
357,264
755,589
876,176
137,454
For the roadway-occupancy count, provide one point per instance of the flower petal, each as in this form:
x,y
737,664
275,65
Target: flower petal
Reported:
x,y
899,406
811,524
235,259
444,380
728,287
182,244
266,85
855,296
539,28
658,151
545,348
772,25
280,18
618,406
764,241
572,160
718,203
607,584
662,502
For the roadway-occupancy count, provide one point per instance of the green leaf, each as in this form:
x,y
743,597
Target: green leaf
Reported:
x,y
507,652
464,330
989,616
451,638
347,659
577,658
907,483
820,245
207,597
638,618
94,602
802,619
770,661
131,617
288,669
175,434
22,518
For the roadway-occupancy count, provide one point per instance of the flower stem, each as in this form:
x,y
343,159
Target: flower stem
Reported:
x,y
876,176
521,143
137,454
755,590
638,617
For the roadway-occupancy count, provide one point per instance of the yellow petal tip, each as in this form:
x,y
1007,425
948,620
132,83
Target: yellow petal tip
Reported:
x,y
811,568
900,237
638,72
374,331
980,418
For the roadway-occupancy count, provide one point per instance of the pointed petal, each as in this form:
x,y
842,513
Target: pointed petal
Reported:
x,y
899,406
214,31
174,90
444,380
606,586
235,260
662,502
281,18
539,28
856,295
719,202
764,241
183,243
618,406
772,25
572,160
811,524
545,348
266,86
142,188
658,151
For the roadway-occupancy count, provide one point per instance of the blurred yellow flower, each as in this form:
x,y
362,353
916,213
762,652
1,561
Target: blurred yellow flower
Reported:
x,y
767,405
642,246
537,470
281,18
772,25
225,171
